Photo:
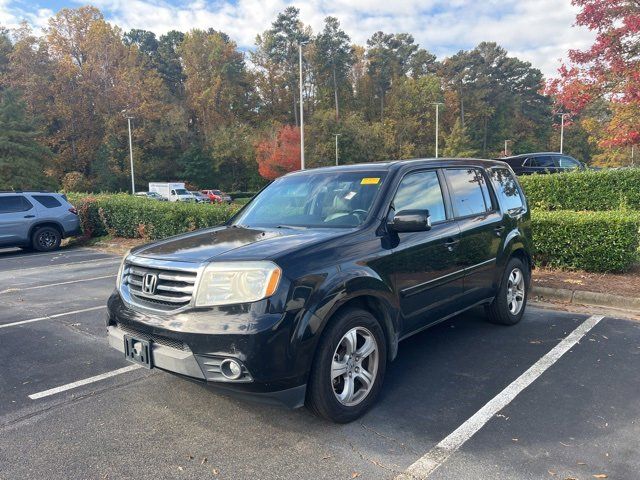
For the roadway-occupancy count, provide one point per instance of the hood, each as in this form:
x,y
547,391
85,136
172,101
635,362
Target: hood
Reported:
x,y
234,243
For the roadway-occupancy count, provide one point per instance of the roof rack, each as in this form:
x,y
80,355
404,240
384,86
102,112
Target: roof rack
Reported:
x,y
26,191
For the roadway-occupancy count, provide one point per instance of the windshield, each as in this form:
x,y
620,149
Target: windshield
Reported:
x,y
332,200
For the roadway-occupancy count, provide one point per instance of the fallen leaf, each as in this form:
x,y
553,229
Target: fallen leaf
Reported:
x,y
190,457
326,457
355,475
581,463
215,471
181,469
204,460
552,473
601,475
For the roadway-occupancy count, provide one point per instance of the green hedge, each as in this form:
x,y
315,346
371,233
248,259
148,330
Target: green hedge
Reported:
x,y
593,241
588,190
240,194
122,215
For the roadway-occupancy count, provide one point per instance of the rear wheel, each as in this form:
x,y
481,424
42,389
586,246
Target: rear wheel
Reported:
x,y
349,367
45,239
509,304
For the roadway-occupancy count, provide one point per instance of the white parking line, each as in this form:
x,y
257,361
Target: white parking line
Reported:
x,y
21,289
439,454
50,317
79,383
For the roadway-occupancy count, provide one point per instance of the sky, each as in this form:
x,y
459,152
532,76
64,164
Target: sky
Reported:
x,y
539,31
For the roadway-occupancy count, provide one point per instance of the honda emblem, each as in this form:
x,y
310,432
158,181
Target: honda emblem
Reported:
x,y
149,283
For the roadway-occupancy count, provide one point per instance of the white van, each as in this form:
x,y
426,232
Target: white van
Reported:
x,y
174,192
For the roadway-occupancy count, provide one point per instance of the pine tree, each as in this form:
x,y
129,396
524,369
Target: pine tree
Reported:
x,y
21,156
458,143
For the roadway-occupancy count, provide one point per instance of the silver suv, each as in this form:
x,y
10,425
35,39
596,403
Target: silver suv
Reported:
x,y
38,220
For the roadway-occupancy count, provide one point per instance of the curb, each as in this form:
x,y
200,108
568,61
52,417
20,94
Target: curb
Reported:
x,y
582,297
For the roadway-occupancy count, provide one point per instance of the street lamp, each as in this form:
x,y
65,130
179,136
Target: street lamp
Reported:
x,y
301,110
337,135
505,146
437,104
129,118
562,115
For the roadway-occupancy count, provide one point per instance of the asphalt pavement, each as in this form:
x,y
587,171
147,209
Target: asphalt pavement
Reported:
x,y
68,411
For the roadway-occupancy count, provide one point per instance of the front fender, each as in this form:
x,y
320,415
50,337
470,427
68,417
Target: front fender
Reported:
x,y
337,288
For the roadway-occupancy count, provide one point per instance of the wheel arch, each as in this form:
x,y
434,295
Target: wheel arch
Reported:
x,y
46,223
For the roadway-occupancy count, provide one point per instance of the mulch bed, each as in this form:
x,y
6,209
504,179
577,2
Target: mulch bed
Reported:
x,y
623,284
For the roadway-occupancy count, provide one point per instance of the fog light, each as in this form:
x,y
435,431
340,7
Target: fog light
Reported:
x,y
231,369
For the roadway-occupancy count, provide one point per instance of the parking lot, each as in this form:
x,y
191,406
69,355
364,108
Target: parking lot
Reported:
x,y
464,400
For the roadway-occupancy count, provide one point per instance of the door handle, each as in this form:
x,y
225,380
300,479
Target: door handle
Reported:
x,y
450,243
29,216
499,230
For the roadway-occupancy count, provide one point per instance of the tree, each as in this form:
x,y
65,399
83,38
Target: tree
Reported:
x,y
280,154
606,70
458,143
276,57
389,57
333,59
22,157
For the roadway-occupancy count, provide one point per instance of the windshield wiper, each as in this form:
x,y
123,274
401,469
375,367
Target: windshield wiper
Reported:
x,y
294,227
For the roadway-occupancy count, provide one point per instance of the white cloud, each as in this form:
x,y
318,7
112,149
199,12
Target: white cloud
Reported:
x,y
539,31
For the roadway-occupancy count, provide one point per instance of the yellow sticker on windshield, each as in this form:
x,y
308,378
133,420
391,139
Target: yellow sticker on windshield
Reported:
x,y
370,181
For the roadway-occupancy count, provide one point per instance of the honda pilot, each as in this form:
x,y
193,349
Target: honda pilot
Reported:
x,y
305,294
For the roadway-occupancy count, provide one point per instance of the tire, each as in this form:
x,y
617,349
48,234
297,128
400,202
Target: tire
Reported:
x,y
323,390
46,239
510,303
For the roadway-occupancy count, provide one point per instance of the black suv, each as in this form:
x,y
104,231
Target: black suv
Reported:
x,y
304,295
546,162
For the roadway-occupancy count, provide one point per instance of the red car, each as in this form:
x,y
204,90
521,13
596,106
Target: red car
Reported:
x,y
217,196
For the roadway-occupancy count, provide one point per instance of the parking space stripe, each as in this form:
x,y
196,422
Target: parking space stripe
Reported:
x,y
50,317
21,289
427,464
79,383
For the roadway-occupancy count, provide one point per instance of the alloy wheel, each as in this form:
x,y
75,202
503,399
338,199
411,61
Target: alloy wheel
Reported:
x,y
354,366
515,291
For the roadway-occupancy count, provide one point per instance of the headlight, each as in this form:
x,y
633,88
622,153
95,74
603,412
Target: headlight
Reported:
x,y
226,283
119,277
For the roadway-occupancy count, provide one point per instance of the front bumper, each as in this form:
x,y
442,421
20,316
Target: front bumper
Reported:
x,y
193,344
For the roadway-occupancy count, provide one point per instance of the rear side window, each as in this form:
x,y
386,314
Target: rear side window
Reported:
x,y
14,203
507,188
421,191
543,162
469,191
567,162
47,201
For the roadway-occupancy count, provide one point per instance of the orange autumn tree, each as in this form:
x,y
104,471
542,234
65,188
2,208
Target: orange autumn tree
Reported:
x,y
279,155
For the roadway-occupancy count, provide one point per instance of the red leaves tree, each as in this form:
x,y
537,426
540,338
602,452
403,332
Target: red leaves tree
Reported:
x,y
280,155
609,69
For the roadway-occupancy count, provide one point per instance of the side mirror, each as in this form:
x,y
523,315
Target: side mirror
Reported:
x,y
411,221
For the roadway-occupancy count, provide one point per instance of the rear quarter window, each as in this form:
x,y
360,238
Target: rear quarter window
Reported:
x,y
48,201
470,194
507,189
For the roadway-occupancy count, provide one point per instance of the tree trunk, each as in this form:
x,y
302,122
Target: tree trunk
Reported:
x,y
484,137
461,108
382,106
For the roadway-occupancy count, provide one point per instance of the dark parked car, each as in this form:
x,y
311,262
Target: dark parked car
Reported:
x,y
38,220
549,162
304,295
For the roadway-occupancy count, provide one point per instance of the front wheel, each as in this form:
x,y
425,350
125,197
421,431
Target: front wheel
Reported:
x,y
509,304
349,367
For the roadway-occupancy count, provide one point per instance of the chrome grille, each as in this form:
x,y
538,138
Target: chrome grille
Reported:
x,y
172,289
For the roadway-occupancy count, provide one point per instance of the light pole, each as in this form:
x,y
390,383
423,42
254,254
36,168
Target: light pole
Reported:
x,y
301,110
337,135
437,104
562,131
133,183
505,147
